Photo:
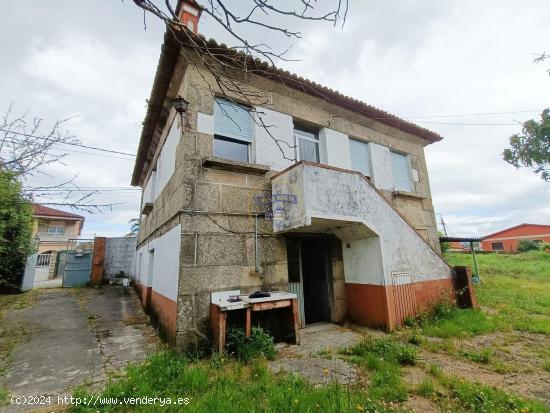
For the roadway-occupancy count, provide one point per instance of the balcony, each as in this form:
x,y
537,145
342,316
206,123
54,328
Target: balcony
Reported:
x,y
314,198
44,236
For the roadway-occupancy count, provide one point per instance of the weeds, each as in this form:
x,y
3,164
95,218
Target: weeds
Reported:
x,y
259,344
4,396
383,357
426,388
236,387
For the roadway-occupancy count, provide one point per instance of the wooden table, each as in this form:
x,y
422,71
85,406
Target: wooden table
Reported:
x,y
219,310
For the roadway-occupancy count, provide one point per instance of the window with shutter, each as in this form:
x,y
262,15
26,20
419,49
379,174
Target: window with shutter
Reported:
x,y
360,158
233,130
401,168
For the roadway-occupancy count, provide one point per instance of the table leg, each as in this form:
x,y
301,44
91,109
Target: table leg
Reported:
x,y
295,320
248,325
221,341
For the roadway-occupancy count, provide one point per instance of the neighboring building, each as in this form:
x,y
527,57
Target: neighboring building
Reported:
x,y
54,228
507,240
350,227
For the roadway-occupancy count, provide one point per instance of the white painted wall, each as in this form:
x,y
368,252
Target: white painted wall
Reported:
x,y
387,244
149,189
265,150
382,174
205,123
165,264
166,161
363,261
334,148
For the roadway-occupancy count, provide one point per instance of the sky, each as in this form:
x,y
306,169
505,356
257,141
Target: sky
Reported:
x,y
445,65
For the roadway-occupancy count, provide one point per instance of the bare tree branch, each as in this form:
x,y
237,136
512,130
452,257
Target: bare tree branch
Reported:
x,y
221,62
25,150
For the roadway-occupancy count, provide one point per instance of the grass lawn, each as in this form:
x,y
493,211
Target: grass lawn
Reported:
x,y
515,286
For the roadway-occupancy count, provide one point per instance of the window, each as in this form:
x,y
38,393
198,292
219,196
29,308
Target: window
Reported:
x,y
497,246
307,143
360,157
231,149
401,168
56,230
233,131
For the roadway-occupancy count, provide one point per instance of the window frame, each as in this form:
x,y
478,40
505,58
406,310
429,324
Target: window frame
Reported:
x,y
298,136
57,232
237,141
249,143
367,145
497,243
409,170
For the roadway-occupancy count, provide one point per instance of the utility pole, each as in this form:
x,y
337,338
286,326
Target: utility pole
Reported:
x,y
443,224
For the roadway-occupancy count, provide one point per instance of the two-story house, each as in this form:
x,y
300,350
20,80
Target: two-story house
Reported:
x,y
54,229
326,196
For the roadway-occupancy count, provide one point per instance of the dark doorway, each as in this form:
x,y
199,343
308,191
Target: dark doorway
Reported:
x,y
309,276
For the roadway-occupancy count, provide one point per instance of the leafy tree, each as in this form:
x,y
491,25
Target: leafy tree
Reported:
x,y
532,148
15,231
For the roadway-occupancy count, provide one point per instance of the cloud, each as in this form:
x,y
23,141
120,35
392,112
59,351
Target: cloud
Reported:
x,y
410,57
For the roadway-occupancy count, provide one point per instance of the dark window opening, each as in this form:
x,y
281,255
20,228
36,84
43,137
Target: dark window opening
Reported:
x,y
231,149
497,246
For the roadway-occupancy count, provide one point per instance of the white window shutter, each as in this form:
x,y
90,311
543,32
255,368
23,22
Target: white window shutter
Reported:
x,y
360,157
401,168
232,120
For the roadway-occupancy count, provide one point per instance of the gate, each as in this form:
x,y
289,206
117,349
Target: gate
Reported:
x,y
404,295
78,262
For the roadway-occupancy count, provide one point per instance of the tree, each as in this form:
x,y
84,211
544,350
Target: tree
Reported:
x,y
15,231
532,148
134,227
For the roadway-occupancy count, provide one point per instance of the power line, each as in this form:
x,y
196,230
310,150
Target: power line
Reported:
x,y
68,143
467,124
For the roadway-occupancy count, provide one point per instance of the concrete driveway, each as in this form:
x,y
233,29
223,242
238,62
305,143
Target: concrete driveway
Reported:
x,y
77,336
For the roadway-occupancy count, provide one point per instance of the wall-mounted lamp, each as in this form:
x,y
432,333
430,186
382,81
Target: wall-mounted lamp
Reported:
x,y
180,104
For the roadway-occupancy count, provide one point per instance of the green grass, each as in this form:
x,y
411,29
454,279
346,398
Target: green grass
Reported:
x,y
384,358
227,386
4,396
517,286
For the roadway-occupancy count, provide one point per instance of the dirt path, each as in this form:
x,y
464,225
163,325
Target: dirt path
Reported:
x,y
75,337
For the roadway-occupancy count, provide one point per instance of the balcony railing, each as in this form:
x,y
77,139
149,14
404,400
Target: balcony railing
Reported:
x,y
44,236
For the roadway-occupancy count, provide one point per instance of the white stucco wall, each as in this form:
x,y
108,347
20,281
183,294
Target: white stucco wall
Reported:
x,y
149,190
166,263
334,148
166,162
266,151
335,196
381,167
205,123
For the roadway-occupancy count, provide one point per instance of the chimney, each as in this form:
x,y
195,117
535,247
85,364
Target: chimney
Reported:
x,y
189,14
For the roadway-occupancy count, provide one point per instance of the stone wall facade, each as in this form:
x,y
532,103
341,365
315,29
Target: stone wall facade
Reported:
x,y
216,208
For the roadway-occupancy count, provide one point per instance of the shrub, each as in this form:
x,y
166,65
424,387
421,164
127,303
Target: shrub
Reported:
x,y
15,231
527,245
259,344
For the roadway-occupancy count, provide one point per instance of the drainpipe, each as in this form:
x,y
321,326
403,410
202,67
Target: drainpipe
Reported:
x,y
258,268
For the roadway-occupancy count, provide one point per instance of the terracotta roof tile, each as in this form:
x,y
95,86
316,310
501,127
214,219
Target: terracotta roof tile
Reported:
x,y
51,212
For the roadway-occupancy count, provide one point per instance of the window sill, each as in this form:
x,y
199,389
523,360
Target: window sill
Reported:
x,y
410,195
147,207
234,166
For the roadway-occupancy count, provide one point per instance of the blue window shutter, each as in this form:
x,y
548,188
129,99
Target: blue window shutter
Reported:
x,y
360,157
232,120
401,172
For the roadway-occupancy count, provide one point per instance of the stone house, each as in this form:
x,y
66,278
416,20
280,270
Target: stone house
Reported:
x,y
326,196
